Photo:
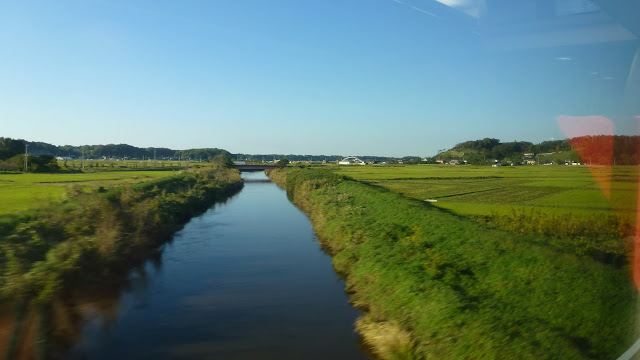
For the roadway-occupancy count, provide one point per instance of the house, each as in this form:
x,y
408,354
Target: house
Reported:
x,y
530,162
454,162
496,165
439,161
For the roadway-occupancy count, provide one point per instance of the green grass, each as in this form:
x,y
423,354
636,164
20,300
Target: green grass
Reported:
x,y
20,192
438,286
110,165
472,190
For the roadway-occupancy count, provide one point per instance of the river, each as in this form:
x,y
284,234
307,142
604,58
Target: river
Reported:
x,y
245,280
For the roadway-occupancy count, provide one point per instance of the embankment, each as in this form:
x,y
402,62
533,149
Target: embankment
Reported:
x,y
94,238
95,234
434,285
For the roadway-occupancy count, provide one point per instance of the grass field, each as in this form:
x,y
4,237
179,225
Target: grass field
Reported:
x,y
439,286
469,190
20,192
111,165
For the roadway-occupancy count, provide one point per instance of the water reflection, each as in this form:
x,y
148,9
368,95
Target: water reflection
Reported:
x,y
245,280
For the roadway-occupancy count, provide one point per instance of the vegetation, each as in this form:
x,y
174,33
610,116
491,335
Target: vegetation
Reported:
x,y
605,237
12,158
564,204
223,161
62,231
436,285
93,235
23,192
11,147
601,149
484,191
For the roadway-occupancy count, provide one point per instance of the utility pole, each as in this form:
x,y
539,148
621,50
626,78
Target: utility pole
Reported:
x,y
154,154
26,154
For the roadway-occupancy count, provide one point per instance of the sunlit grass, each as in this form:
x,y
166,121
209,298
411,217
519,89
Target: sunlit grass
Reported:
x,y
474,190
436,285
20,192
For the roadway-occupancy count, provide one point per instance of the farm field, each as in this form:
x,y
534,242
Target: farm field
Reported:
x,y
469,190
20,192
111,165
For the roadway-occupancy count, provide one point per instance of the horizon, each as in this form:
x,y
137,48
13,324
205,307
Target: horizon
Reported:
x,y
440,151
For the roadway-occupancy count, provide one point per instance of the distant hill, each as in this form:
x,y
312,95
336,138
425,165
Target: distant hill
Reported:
x,y
600,149
11,147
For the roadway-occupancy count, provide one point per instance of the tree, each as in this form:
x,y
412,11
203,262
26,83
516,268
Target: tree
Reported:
x,y
283,162
10,147
222,160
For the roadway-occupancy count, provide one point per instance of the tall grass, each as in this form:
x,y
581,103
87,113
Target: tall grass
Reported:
x,y
605,237
436,285
94,235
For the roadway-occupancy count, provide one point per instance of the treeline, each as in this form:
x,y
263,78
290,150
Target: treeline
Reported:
x,y
490,148
497,149
435,285
11,147
12,158
599,149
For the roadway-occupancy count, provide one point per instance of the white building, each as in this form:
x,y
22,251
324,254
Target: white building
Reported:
x,y
351,160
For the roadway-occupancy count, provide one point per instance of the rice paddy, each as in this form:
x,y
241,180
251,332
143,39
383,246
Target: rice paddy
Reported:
x,y
469,190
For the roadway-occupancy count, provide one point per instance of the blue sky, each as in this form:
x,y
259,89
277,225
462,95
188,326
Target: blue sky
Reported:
x,y
378,77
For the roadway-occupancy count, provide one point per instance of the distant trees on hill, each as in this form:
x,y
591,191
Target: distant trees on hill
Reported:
x,y
10,147
12,157
600,149
42,155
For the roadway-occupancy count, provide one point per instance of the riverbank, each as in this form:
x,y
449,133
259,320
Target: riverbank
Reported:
x,y
236,282
436,285
96,237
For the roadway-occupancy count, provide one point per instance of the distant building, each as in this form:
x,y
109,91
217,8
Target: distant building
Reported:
x,y
454,162
530,162
440,161
351,160
528,155
63,158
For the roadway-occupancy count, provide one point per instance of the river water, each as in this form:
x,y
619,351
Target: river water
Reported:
x,y
245,280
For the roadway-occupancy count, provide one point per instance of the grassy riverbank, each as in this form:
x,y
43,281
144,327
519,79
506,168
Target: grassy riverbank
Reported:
x,y
94,237
25,191
436,285
91,234
564,205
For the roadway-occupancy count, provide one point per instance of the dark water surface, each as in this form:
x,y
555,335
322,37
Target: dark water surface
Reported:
x,y
245,280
